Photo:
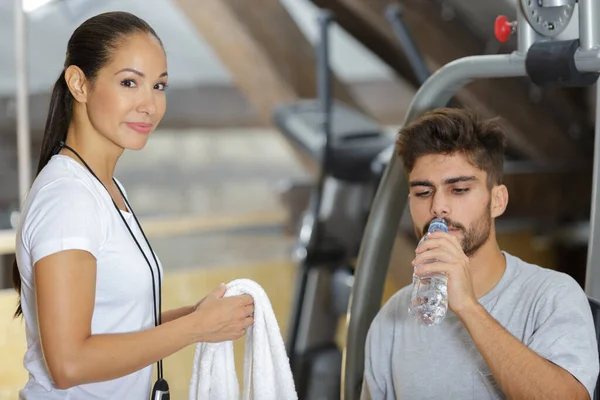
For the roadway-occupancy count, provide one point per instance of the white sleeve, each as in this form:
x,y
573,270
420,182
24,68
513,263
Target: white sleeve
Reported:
x,y
65,215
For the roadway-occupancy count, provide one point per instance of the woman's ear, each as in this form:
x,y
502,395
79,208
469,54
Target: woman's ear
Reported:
x,y
77,83
499,200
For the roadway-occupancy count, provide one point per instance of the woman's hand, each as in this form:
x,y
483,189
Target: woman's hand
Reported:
x,y
217,318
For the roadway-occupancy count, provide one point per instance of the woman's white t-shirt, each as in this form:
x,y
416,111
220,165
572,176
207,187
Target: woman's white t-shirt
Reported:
x,y
67,208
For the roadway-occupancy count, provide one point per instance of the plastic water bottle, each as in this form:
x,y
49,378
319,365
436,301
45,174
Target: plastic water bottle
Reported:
x,y
429,298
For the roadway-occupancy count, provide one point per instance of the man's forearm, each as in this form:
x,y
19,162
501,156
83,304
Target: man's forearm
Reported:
x,y
519,371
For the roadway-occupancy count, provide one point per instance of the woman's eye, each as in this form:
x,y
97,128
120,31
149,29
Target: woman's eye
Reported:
x,y
128,83
161,86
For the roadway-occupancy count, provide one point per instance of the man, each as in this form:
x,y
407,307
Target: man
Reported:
x,y
513,329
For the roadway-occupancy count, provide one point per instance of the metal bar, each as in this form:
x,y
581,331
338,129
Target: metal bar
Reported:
x,y
526,35
323,71
311,228
589,20
325,19
23,133
556,3
592,275
394,15
371,269
448,80
587,60
389,204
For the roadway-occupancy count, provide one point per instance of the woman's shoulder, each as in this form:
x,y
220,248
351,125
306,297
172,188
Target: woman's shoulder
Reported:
x,y
63,210
62,186
64,177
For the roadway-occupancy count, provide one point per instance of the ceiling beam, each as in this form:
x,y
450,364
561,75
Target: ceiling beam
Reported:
x,y
270,59
533,129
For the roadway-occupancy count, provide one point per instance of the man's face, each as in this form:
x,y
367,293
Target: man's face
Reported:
x,y
449,187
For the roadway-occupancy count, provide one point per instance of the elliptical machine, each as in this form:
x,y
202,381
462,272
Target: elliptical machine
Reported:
x,y
353,151
346,142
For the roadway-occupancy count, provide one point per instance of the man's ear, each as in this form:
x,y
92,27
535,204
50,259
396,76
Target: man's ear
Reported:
x,y
499,200
77,83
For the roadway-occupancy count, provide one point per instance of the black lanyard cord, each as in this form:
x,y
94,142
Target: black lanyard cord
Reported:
x,y
157,313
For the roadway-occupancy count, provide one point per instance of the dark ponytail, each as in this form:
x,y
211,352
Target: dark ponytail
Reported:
x,y
90,48
57,123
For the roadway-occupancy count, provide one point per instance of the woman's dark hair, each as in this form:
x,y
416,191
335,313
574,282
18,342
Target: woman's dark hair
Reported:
x,y
90,48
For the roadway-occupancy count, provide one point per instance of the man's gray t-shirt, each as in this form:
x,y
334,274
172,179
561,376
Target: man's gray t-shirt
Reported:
x,y
546,310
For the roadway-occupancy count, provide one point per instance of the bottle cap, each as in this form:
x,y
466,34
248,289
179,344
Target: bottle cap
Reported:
x,y
438,224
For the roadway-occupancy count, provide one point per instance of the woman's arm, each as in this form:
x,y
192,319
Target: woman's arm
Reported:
x,y
172,315
65,289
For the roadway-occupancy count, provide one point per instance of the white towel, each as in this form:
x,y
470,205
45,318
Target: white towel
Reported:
x,y
267,372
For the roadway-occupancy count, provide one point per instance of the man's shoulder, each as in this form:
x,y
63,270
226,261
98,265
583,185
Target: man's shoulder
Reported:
x,y
542,288
399,299
391,311
545,278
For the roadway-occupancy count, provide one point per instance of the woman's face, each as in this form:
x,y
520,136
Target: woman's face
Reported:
x,y
127,99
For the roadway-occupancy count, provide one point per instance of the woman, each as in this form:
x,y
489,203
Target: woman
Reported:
x,y
88,279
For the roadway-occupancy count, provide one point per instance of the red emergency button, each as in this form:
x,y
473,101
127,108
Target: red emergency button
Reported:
x,y
503,28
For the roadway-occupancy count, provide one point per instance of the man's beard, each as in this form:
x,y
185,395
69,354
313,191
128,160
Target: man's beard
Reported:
x,y
474,237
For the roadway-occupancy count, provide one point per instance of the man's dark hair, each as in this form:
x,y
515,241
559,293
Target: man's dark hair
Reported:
x,y
449,131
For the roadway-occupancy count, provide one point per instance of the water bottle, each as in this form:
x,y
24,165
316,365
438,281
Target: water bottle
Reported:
x,y
429,298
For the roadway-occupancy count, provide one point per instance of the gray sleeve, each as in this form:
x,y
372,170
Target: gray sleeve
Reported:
x,y
365,393
564,332
377,380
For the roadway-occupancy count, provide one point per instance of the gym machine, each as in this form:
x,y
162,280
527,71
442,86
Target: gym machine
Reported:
x,y
546,61
344,142
352,151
